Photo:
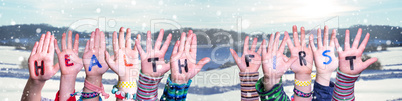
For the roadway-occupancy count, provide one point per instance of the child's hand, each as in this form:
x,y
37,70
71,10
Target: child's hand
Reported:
x,y
303,66
183,59
324,57
275,63
125,59
250,61
94,56
41,66
350,60
152,61
69,60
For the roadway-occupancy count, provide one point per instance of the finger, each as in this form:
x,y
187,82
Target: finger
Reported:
x,y
87,46
201,63
182,40
275,49
121,38
325,43
158,41
369,62
357,39
302,39
56,46
102,41
271,43
115,43
295,36
193,48
290,61
138,44
109,60
91,41
33,52
254,44
76,43
235,56
176,46
167,43
188,43
40,47
56,68
337,46
333,36
319,38
288,41
149,41
364,42
282,46
311,40
70,40
63,42
51,45
128,38
264,47
245,47
259,49
347,45
47,41
97,39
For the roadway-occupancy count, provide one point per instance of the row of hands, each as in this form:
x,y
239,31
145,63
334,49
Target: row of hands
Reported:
x,y
123,62
275,63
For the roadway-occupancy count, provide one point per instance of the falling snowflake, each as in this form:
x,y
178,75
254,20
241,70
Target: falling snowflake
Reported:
x,y
12,22
218,13
98,10
38,30
160,2
133,2
174,17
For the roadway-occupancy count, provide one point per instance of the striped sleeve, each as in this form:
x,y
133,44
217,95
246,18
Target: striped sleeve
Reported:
x,y
174,91
147,88
247,83
275,94
344,87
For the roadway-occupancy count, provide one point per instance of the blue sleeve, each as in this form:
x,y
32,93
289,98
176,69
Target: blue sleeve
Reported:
x,y
323,93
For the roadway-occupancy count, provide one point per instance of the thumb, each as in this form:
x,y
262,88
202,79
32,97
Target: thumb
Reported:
x,y
56,68
109,61
235,56
369,62
202,62
291,61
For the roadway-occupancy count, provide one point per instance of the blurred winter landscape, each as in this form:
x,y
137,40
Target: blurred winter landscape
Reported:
x,y
219,25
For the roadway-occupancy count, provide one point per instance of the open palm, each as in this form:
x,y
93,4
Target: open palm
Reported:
x,y
250,61
183,60
354,53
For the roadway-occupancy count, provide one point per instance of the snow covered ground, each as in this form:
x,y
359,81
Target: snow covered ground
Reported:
x,y
218,84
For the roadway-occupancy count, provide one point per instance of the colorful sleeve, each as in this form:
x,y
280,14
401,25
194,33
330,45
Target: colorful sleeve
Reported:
x,y
174,91
147,88
275,94
344,87
323,93
247,83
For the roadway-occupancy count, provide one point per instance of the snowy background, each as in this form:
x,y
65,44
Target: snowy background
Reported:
x,y
219,25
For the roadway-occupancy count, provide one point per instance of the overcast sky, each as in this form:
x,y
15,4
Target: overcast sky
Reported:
x,y
254,15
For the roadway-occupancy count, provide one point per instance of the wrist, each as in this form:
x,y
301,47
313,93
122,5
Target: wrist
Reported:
x,y
270,82
303,76
179,81
323,79
68,77
96,80
36,83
